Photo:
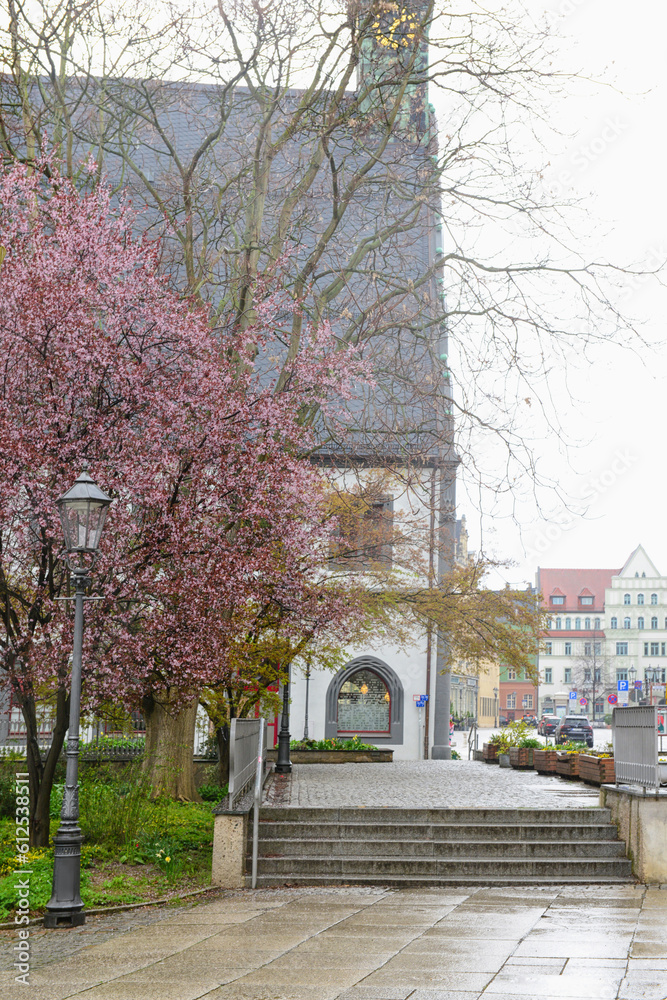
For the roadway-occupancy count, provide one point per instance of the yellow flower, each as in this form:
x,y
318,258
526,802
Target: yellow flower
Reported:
x,y
167,859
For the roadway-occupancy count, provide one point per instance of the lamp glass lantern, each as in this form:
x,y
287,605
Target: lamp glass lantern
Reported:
x,y
83,510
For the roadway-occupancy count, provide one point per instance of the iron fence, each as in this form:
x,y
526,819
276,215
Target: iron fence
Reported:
x,y
636,746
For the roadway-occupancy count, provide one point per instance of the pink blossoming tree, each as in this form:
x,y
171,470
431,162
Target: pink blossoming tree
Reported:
x,y
215,513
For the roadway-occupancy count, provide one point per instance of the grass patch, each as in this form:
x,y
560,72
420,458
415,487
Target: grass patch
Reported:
x,y
135,850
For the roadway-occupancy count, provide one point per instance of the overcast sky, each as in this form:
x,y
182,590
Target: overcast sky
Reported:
x,y
617,160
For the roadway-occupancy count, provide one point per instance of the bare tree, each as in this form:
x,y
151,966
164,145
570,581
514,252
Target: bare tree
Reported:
x,y
592,674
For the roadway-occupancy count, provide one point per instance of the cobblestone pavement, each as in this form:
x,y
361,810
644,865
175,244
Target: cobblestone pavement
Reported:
x,y
351,943
436,784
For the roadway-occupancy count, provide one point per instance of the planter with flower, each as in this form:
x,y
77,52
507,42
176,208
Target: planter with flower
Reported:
x,y
545,760
512,737
567,759
521,756
334,751
597,766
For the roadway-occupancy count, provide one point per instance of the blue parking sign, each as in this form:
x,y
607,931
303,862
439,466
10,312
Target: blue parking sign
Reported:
x,y
573,695
622,685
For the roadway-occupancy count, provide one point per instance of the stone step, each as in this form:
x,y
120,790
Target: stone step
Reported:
x,y
592,815
454,881
334,830
359,869
378,846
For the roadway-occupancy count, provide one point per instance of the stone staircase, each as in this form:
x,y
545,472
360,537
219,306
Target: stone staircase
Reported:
x,y
421,847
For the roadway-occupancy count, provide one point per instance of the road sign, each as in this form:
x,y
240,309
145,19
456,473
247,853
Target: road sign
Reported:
x,y
420,703
416,697
622,685
420,697
573,695
583,701
638,685
612,699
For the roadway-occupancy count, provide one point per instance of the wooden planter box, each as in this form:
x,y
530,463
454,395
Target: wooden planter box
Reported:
x,y
490,752
335,756
567,765
596,770
522,757
544,761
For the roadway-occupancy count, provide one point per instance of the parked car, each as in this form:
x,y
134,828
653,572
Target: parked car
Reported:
x,y
530,720
575,727
548,725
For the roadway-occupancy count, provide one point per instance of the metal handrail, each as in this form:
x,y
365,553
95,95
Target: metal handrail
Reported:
x,y
259,783
472,739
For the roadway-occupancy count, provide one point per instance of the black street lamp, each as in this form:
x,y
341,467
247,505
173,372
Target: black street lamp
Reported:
x,y
632,674
283,763
82,510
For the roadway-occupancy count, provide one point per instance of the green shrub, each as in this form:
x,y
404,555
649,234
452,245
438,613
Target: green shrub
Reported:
x,y
212,793
331,744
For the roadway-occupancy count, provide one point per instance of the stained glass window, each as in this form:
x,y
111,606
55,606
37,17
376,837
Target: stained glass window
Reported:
x,y
364,704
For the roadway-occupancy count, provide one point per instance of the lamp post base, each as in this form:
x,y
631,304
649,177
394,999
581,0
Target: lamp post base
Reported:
x,y
441,753
71,919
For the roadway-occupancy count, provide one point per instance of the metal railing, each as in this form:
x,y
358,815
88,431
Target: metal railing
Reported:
x,y
260,773
472,739
636,746
243,741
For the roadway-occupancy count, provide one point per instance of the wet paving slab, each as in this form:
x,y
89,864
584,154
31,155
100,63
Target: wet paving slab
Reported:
x,y
347,943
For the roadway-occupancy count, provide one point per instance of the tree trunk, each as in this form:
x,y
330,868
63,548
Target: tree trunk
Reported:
x,y
170,737
42,772
222,739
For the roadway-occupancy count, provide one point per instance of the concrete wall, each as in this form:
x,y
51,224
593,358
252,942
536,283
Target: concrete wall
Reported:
x,y
642,824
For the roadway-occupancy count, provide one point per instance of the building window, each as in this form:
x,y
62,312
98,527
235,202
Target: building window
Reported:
x,y
621,675
627,623
621,649
654,622
559,623
626,599
548,649
568,649
654,598
598,675
587,624
640,598
586,601
662,649
548,676
366,696
511,674
597,648
557,599
640,622
655,649
527,701
597,623
577,624
614,623
588,649
511,700
568,624
587,675
645,649
364,704
365,533
567,675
